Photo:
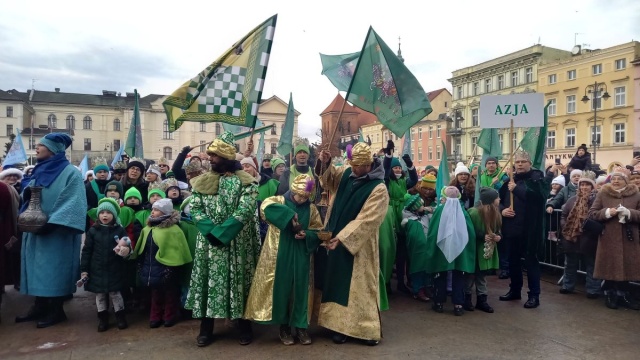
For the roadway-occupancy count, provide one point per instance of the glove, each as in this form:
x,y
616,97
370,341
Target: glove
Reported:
x,y
186,149
407,160
214,240
623,214
390,147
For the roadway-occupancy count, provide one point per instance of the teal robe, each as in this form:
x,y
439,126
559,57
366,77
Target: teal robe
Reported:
x,y
50,263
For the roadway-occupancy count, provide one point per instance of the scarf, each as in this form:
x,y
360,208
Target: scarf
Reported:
x,y
155,221
47,171
573,229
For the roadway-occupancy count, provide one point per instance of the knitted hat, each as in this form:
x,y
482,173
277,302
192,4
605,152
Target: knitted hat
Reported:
x,y
588,180
558,180
153,168
223,146
460,169
249,161
86,175
576,172
428,167
133,193
488,195
11,171
110,205
301,145
473,166
120,167
156,188
583,147
412,202
170,174
193,167
164,205
621,174
395,162
522,155
267,157
601,179
361,154
275,162
139,163
491,158
114,186
100,165
56,142
428,181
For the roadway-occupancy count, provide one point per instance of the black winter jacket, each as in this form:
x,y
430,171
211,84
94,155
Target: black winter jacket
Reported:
x,y
107,271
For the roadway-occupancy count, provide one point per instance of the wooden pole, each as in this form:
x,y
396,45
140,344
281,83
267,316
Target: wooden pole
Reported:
x,y
508,161
473,155
333,134
511,164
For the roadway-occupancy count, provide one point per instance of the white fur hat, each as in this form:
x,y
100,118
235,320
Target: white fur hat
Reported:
x,y
576,172
559,180
86,175
601,179
27,168
461,169
11,171
248,160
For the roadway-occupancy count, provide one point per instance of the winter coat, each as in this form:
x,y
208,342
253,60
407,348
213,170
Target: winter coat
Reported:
x,y
586,243
563,196
617,257
581,162
107,271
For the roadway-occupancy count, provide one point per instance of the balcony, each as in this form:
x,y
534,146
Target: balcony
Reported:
x,y
455,132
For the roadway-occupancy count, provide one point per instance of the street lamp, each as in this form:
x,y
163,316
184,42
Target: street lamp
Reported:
x,y
455,132
595,89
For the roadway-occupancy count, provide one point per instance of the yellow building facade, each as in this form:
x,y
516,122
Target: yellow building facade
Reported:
x,y
571,121
376,133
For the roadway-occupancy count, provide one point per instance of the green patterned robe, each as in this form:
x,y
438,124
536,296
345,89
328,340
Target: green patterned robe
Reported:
x,y
224,206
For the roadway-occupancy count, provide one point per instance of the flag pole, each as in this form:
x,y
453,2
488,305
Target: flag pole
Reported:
x,y
508,161
511,161
473,155
335,130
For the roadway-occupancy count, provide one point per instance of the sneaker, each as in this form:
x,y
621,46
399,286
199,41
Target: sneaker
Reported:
x,y
421,296
285,335
303,336
458,310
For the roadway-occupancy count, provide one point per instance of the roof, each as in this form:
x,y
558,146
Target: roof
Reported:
x,y
275,98
336,105
434,94
11,95
110,99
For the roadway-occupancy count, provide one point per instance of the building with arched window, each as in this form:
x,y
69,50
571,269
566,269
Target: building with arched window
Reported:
x,y
71,122
52,121
116,124
87,123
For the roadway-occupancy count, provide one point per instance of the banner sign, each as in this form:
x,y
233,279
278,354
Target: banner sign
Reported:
x,y
526,110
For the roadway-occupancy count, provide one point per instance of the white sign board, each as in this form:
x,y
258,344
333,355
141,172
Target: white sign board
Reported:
x,y
526,110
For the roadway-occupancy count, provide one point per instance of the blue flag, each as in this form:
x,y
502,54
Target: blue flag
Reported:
x,y
118,156
84,164
16,153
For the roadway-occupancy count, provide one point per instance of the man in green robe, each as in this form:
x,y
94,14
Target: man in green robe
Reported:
x,y
223,207
351,292
282,286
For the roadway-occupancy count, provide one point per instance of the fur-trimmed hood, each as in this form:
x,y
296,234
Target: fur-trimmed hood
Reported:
x,y
207,183
173,219
629,190
11,171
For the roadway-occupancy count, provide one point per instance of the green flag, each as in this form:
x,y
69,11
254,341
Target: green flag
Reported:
x,y
489,142
443,172
133,146
260,153
382,85
339,69
285,144
534,142
360,136
230,89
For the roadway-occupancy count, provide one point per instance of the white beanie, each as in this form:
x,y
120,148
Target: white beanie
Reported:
x,y
576,172
248,160
601,179
461,169
559,180
155,170
164,205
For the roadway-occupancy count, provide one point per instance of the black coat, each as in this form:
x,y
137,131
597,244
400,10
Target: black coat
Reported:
x,y
581,162
107,271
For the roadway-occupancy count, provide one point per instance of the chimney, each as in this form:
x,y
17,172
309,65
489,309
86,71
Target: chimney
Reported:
x,y
57,90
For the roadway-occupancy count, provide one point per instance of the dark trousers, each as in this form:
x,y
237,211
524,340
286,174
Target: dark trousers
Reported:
x,y
503,254
165,302
457,287
530,263
401,260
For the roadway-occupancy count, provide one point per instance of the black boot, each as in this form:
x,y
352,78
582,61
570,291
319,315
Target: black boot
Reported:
x,y
628,302
612,299
481,304
533,302
37,311
468,305
56,313
121,320
246,334
206,332
511,295
103,321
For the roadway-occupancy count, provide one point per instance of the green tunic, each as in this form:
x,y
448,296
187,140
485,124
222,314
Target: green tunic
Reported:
x,y
415,229
224,206
390,228
268,189
436,261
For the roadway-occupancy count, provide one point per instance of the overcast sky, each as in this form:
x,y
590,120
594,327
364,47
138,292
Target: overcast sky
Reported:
x,y
90,46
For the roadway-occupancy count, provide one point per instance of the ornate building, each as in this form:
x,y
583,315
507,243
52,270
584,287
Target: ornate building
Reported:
x,y
509,74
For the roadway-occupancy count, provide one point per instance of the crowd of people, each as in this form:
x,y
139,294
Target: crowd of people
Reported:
x,y
219,236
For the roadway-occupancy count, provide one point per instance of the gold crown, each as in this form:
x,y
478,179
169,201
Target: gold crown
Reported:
x,y
163,161
120,165
172,182
193,167
303,185
361,155
100,161
223,146
156,185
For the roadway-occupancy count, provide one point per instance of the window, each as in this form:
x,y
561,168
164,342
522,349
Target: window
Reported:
x,y
438,155
474,142
487,85
514,78
571,104
551,139
596,100
571,75
87,144
217,129
71,122
552,107
501,140
378,136
430,132
474,117
621,64
167,153
412,132
528,74
420,153
9,130
386,137
438,129
87,122
500,82
9,111
476,88
116,145
596,136
618,133
273,131
620,96
420,133
514,141
597,69
116,124
166,134
203,126
552,79
52,121
32,143
459,92
429,154
274,147
571,138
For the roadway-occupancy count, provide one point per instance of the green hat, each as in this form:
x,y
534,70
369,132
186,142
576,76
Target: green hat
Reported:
x,y
473,166
275,162
156,191
300,147
110,205
170,174
412,202
114,186
428,167
395,162
133,193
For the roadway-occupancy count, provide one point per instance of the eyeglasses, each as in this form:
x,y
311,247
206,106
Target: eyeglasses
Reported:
x,y
164,166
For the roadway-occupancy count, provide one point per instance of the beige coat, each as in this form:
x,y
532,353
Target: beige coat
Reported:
x,y
617,258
